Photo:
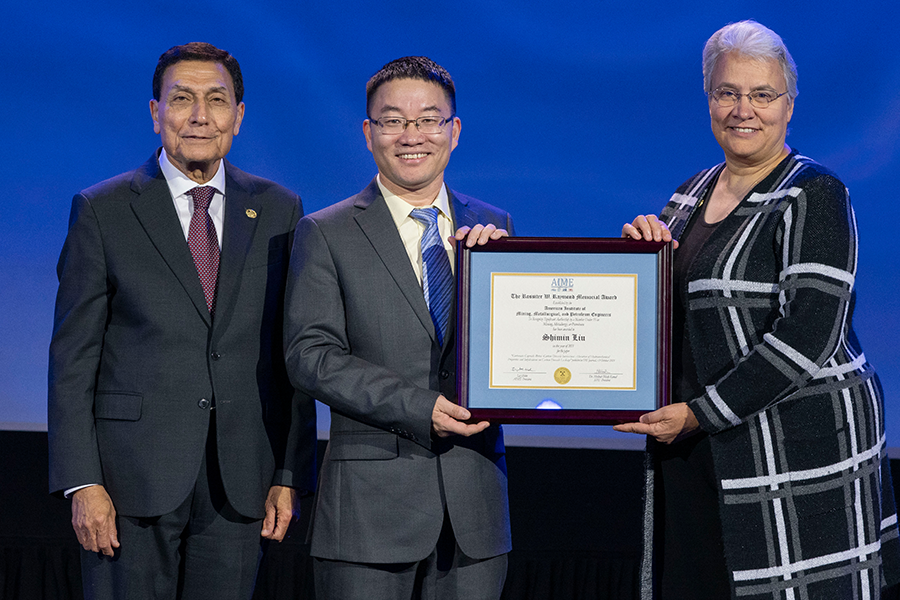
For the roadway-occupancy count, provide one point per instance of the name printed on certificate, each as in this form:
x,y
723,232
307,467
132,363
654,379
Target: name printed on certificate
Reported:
x,y
551,331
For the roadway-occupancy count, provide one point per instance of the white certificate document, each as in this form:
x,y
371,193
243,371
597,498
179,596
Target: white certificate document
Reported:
x,y
554,331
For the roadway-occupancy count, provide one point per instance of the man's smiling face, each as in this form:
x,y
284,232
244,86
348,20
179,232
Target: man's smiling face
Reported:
x,y
196,116
411,163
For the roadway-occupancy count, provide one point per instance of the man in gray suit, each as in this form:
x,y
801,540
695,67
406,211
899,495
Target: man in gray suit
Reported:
x,y
172,424
412,499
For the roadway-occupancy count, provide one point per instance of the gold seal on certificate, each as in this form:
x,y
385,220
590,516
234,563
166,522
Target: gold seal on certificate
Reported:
x,y
562,375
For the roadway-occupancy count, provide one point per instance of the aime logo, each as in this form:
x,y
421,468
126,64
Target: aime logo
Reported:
x,y
562,284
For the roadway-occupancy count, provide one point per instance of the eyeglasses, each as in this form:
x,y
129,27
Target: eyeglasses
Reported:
x,y
427,125
726,97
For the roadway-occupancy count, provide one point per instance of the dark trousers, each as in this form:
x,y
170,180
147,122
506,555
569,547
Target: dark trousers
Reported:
x,y
202,550
445,574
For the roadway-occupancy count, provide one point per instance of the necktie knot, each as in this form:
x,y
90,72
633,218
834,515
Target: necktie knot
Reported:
x,y
202,195
428,215
431,238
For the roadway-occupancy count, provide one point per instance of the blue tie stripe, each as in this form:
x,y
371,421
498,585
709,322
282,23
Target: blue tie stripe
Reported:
x,y
437,278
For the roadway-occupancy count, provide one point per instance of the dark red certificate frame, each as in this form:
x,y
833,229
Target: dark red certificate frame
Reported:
x,y
563,246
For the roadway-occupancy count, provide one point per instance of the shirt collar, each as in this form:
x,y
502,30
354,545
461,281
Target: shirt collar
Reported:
x,y
400,208
180,184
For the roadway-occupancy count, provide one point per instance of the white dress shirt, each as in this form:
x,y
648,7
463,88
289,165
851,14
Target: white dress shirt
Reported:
x,y
179,186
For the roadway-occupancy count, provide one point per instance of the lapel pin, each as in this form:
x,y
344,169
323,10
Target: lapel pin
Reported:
x,y
251,213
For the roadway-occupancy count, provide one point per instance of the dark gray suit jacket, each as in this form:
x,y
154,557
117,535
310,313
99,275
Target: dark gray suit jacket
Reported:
x,y
134,352
359,338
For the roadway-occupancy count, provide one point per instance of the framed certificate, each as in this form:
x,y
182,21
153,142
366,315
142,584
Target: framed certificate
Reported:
x,y
564,330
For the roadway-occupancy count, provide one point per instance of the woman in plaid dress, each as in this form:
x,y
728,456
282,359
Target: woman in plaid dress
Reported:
x,y
768,475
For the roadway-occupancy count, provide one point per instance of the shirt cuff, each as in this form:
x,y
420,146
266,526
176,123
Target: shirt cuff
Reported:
x,y
71,491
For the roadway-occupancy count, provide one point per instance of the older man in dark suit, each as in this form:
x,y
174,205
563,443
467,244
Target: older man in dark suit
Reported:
x,y
412,498
172,424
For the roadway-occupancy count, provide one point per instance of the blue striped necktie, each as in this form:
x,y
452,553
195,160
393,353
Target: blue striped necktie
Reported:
x,y
437,279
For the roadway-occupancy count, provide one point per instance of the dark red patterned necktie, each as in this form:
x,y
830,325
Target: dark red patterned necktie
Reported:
x,y
204,244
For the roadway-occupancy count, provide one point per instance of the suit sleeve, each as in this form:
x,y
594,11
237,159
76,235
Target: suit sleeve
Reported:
x,y
296,461
318,352
79,323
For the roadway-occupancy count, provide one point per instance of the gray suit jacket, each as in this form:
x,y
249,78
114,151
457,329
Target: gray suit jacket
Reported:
x,y
134,352
359,338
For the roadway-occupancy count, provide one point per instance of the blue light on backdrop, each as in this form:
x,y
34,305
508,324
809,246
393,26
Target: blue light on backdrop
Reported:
x,y
576,116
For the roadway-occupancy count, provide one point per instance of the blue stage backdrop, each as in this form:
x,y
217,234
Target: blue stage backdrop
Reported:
x,y
576,117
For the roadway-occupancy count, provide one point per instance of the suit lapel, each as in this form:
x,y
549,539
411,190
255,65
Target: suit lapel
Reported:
x,y
237,235
156,212
462,215
377,224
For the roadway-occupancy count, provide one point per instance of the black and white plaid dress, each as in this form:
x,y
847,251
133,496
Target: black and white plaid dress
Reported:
x,y
794,412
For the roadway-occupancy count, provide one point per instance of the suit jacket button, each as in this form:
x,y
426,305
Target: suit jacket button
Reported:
x,y
204,403
444,373
215,356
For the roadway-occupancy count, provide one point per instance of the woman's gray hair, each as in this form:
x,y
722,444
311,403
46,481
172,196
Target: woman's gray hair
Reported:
x,y
753,40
